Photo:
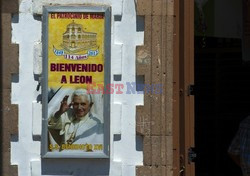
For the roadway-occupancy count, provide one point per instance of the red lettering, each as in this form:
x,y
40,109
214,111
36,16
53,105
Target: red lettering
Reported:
x,y
80,79
52,67
96,16
53,16
63,80
88,79
76,67
119,86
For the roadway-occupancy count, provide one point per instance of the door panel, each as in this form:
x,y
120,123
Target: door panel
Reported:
x,y
183,77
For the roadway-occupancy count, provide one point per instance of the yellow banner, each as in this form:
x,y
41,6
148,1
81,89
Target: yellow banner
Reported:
x,y
75,50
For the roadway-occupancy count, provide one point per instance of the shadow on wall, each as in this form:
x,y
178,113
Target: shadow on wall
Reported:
x,y
76,167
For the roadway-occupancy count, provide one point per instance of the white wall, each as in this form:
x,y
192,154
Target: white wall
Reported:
x,y
26,151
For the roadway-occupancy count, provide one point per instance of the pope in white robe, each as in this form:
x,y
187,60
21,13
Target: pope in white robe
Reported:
x,y
75,123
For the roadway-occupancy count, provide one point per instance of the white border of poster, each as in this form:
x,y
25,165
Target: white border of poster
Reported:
x,y
76,119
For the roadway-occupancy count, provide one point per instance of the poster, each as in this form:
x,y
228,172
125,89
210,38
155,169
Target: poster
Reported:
x,y
77,72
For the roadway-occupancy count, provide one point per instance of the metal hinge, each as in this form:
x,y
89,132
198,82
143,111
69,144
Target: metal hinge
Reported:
x,y
191,155
191,89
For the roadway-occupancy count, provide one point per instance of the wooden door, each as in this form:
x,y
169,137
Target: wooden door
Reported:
x,y
183,122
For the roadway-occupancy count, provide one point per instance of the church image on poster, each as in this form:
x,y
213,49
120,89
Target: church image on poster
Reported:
x,y
76,39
